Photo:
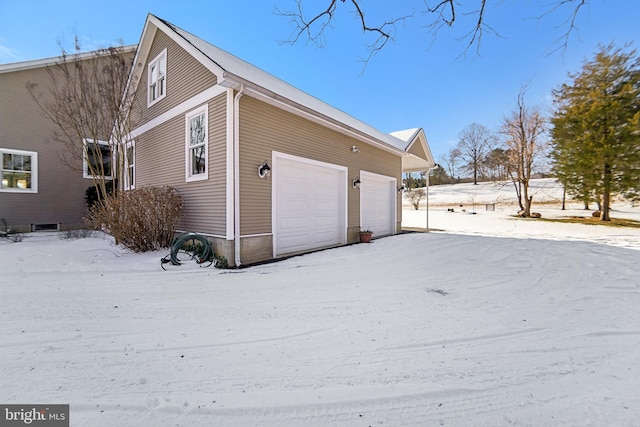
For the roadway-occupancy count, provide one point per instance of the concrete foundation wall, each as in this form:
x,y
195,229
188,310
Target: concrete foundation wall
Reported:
x,y
255,249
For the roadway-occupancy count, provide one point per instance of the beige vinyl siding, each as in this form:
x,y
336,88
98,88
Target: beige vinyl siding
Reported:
x,y
265,128
416,150
160,152
160,160
61,188
186,77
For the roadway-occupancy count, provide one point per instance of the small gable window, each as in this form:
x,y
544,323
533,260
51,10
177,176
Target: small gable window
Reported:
x,y
197,144
157,78
18,171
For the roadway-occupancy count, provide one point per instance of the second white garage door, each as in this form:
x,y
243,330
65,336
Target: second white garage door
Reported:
x,y
378,203
309,204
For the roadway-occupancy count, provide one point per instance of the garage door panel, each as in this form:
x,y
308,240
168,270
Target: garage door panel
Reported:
x,y
325,221
293,222
309,205
323,240
378,204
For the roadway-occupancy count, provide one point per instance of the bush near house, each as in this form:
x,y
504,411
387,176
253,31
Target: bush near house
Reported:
x,y
415,196
144,219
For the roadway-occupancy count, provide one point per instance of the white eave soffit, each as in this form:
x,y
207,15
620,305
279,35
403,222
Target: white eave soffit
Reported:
x,y
229,80
279,101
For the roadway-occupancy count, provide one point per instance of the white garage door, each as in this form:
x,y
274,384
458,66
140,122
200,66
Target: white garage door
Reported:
x,y
378,203
309,204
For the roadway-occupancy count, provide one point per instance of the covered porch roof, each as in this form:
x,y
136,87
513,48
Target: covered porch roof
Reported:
x,y
417,157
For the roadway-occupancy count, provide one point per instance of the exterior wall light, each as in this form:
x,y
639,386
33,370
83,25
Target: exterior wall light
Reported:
x,y
355,149
401,189
356,182
264,170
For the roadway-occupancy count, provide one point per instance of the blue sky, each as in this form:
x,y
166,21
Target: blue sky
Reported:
x,y
415,81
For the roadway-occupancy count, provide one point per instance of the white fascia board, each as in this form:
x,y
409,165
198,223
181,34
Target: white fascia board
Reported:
x,y
191,49
139,63
151,26
45,62
302,111
411,163
422,137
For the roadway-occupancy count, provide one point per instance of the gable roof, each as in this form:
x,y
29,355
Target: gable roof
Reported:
x,y
418,155
236,73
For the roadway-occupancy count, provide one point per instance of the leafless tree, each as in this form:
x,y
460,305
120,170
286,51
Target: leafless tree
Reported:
x,y
84,98
451,160
524,132
475,142
415,196
440,14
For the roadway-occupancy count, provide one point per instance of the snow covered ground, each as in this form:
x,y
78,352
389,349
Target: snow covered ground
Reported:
x,y
473,218
467,327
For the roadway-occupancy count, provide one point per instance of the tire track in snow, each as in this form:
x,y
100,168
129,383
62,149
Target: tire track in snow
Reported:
x,y
477,338
233,343
454,406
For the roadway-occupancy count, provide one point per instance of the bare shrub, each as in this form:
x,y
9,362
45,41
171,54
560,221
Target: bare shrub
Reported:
x,y
144,219
415,196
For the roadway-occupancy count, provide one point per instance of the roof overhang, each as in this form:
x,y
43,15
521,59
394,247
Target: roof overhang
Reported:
x,y
46,62
411,163
417,154
286,104
232,72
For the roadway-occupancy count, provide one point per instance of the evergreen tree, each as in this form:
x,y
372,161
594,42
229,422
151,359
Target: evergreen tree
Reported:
x,y
439,176
497,164
596,129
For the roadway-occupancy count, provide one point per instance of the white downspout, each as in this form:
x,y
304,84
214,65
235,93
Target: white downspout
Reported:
x,y
236,175
429,173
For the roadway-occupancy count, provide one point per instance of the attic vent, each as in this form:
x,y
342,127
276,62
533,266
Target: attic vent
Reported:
x,y
45,227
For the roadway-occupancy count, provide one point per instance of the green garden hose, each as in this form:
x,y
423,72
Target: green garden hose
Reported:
x,y
195,245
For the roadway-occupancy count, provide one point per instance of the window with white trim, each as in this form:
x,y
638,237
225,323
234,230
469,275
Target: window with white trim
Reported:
x,y
97,159
197,142
130,166
18,171
157,78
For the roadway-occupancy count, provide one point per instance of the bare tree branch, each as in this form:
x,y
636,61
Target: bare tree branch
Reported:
x,y
84,99
562,42
304,26
440,10
445,13
385,32
478,31
314,27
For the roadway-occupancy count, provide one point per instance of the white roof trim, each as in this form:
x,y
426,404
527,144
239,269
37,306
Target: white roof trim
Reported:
x,y
233,71
44,62
410,162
